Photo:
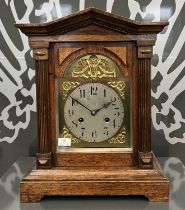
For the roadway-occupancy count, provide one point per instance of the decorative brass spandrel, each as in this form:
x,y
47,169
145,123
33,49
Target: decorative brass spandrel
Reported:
x,y
93,68
66,87
119,86
66,134
120,138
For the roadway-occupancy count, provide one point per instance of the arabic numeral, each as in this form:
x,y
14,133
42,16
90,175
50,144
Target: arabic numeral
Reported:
x,y
74,102
83,129
104,93
114,123
74,123
82,93
70,112
94,134
94,90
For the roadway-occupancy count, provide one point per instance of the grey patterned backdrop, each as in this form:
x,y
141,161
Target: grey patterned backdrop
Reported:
x,y
18,133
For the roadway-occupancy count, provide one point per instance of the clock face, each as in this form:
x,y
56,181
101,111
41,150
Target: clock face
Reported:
x,y
93,112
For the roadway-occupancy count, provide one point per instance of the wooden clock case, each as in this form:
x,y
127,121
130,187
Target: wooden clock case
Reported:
x,y
55,45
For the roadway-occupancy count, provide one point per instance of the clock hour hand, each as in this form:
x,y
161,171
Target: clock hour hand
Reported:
x,y
81,104
104,106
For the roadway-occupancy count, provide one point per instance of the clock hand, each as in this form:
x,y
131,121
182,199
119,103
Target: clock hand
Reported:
x,y
81,104
104,106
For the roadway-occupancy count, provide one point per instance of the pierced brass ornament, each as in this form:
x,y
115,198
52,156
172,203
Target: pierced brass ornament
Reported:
x,y
119,138
93,67
66,134
120,86
66,87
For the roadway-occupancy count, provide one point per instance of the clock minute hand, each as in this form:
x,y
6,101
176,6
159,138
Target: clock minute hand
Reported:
x,y
81,104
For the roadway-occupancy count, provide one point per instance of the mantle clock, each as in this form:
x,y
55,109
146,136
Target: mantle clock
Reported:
x,y
93,108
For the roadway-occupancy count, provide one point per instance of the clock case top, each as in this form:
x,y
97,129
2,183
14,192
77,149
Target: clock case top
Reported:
x,y
129,43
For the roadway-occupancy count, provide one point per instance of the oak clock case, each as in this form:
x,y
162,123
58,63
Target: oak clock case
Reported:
x,y
93,83
93,105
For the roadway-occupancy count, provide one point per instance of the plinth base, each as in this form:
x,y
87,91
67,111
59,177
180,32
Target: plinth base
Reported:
x,y
95,182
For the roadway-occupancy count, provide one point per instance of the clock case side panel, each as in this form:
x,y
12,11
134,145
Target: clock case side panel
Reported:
x,y
83,159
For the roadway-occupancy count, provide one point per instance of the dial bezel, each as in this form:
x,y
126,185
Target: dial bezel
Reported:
x,y
120,139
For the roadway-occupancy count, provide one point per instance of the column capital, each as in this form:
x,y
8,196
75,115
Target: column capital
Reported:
x,y
40,54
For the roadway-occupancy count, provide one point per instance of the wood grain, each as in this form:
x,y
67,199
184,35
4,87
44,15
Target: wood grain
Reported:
x,y
42,105
93,182
119,51
65,52
87,48
144,90
95,159
44,154
92,16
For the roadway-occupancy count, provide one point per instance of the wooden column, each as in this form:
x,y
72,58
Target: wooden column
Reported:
x,y
144,109
42,73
